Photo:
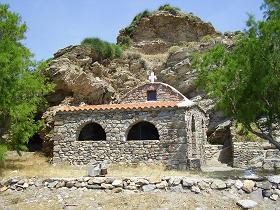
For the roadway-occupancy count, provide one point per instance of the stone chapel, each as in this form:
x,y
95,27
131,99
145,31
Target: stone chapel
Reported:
x,y
153,122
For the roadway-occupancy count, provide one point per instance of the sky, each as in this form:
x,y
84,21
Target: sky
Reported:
x,y
55,24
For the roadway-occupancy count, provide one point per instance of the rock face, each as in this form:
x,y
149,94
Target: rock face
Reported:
x,y
170,28
163,43
76,73
73,70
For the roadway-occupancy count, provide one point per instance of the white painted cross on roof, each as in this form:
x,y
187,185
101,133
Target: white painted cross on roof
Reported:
x,y
152,77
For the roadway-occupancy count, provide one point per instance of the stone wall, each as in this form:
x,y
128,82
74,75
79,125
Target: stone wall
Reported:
x,y
164,93
171,148
255,154
211,151
265,187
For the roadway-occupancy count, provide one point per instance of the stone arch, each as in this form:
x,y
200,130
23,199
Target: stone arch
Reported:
x,y
91,131
142,130
203,139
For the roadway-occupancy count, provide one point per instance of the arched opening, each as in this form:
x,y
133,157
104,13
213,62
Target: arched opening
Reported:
x,y
143,131
194,143
35,143
92,131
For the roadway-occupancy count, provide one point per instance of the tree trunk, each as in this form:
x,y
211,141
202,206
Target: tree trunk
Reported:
x,y
266,137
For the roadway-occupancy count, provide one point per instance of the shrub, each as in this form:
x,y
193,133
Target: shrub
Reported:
x,y
128,30
103,49
169,8
124,40
173,49
206,38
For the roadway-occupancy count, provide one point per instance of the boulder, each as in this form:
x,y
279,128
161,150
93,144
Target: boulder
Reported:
x,y
247,204
177,188
131,186
70,184
117,190
107,186
140,181
267,193
155,180
188,183
117,183
265,185
173,181
274,179
238,184
274,197
218,184
203,185
96,180
195,189
148,187
248,186
52,184
162,185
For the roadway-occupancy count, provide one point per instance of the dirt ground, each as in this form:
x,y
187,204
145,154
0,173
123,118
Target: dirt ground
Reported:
x,y
35,164
74,199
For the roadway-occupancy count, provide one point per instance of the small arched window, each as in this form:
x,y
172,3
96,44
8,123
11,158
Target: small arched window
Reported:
x,y
193,124
143,131
92,131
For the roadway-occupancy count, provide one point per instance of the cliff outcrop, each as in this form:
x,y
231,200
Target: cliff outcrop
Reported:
x,y
162,42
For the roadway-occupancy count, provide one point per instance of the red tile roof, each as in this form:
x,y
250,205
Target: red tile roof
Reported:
x,y
140,105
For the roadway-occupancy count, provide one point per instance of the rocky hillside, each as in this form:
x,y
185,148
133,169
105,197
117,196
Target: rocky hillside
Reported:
x,y
162,42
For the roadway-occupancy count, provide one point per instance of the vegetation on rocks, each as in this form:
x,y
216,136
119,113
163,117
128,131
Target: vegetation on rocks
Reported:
x,y
103,49
245,79
125,39
22,86
157,25
169,8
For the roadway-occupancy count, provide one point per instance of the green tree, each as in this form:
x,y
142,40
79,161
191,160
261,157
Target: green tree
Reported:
x,y
22,86
245,79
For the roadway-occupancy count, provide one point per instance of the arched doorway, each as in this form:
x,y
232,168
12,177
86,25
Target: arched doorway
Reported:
x,y
35,143
194,140
143,131
92,131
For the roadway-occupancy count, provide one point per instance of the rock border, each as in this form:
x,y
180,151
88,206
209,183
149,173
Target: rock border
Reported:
x,y
269,186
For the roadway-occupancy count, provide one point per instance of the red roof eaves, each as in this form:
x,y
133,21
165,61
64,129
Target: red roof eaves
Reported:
x,y
127,106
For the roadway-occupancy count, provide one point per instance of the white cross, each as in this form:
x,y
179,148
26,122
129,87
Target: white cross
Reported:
x,y
152,77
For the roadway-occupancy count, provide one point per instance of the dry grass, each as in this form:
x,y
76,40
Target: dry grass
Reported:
x,y
151,170
35,164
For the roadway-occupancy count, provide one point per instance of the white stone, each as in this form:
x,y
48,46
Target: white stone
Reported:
x,y
195,189
25,185
238,184
162,185
274,197
188,183
277,192
174,181
274,179
149,187
247,204
117,183
218,184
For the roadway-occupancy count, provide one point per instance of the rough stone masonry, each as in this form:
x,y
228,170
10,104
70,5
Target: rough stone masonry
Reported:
x,y
153,122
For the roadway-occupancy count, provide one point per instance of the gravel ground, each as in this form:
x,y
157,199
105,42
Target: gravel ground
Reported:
x,y
64,198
